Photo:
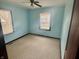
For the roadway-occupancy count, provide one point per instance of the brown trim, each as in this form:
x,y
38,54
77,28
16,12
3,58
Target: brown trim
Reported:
x,y
60,49
73,41
70,24
28,34
43,35
16,39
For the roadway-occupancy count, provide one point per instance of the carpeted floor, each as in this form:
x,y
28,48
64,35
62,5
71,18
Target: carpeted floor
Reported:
x,y
34,47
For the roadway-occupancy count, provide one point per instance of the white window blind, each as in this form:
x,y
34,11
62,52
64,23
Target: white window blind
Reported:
x,y
45,21
6,21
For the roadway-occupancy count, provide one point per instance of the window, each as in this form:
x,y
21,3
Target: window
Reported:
x,y
45,21
6,21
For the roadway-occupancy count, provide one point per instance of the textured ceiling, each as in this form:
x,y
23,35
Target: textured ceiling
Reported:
x,y
44,3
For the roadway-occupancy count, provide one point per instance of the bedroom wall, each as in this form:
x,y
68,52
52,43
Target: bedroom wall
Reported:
x,y
57,13
20,21
66,25
27,21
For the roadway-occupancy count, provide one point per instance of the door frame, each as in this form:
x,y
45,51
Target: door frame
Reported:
x,y
3,51
73,38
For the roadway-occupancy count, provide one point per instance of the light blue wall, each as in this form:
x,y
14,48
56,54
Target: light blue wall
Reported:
x,y
56,12
66,25
25,21
20,21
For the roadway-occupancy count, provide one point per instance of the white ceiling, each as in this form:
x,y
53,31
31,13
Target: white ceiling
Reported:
x,y
44,3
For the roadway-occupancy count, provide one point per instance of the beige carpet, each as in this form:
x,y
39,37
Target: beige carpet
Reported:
x,y
34,47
